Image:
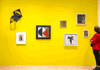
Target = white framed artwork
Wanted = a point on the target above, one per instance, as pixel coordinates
(81, 19)
(85, 33)
(70, 39)
(20, 37)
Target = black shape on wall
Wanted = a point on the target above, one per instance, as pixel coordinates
(71, 38)
(17, 15)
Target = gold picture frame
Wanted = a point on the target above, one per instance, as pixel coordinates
(63, 24)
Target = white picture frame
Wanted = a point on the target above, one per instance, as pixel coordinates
(20, 37)
(67, 40)
(63, 26)
(82, 21)
(86, 34)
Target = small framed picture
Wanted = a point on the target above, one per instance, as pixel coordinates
(85, 33)
(81, 19)
(20, 37)
(43, 32)
(63, 24)
(70, 39)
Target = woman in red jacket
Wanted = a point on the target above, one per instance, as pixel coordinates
(95, 40)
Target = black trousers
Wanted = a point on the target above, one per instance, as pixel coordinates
(97, 57)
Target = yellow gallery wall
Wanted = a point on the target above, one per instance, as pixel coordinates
(46, 52)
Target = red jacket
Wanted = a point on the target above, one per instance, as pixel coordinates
(96, 42)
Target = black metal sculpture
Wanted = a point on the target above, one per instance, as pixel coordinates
(17, 15)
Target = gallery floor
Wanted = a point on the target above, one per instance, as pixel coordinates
(18, 67)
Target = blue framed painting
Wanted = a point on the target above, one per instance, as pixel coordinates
(43, 32)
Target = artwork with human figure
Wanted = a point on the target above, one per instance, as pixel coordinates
(85, 33)
(20, 37)
(70, 39)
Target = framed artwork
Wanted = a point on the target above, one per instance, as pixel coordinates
(43, 32)
(81, 19)
(20, 37)
(63, 24)
(70, 39)
(85, 33)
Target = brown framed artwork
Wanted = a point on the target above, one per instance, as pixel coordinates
(63, 24)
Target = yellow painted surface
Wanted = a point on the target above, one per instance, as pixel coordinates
(46, 52)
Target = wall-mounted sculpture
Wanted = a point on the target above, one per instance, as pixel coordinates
(17, 15)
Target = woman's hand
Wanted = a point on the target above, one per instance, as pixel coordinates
(91, 41)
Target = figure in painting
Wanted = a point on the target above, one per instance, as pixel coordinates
(85, 33)
(70, 39)
(20, 37)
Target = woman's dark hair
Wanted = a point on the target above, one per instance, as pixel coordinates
(97, 29)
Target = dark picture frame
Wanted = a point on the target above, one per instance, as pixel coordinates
(39, 31)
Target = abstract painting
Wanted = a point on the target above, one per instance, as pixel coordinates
(70, 39)
(20, 37)
(81, 19)
(85, 33)
(63, 24)
(43, 32)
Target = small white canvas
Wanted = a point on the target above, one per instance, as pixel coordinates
(70, 39)
(20, 37)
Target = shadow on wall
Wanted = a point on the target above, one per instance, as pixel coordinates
(20, 44)
(70, 47)
(13, 26)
